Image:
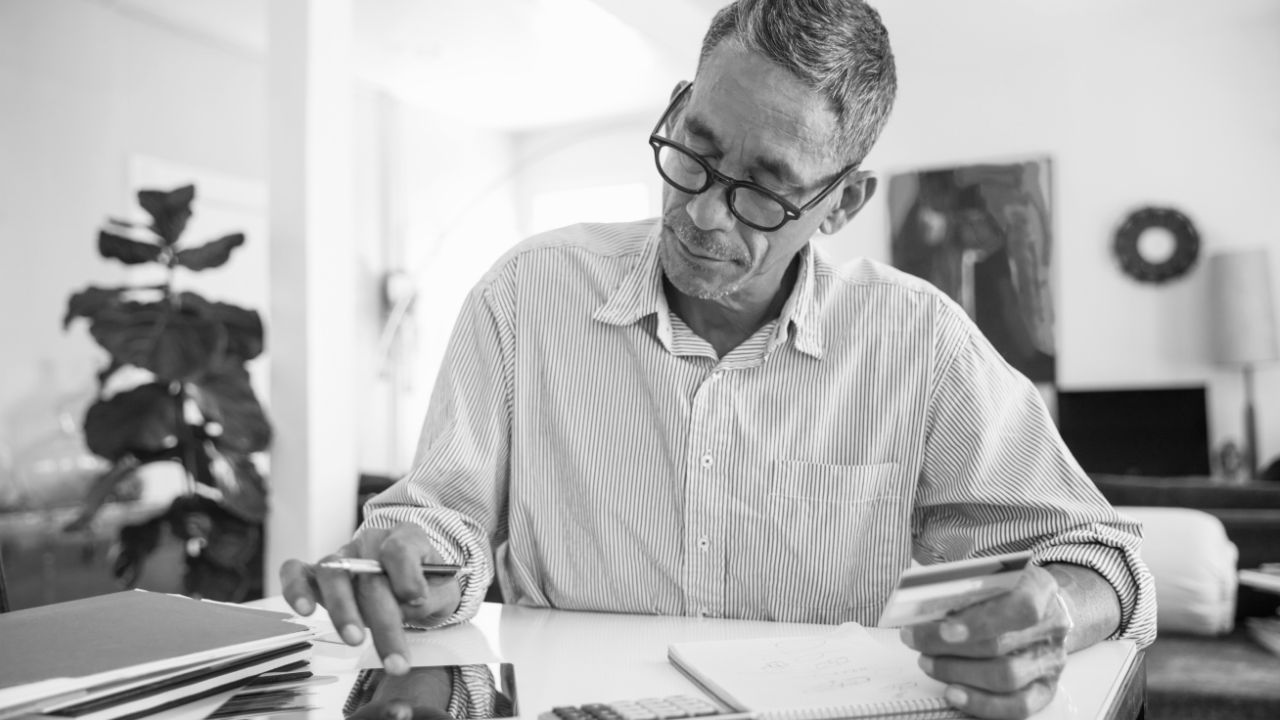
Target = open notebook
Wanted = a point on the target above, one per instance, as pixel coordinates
(843, 674)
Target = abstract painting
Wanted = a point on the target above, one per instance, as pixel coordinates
(983, 235)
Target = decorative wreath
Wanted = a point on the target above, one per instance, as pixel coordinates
(1185, 250)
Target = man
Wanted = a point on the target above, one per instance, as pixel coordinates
(699, 415)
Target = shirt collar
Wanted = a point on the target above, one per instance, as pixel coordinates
(640, 294)
(801, 309)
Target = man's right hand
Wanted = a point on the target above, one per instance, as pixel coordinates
(384, 602)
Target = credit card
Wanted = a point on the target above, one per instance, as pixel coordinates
(931, 592)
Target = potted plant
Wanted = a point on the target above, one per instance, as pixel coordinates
(176, 389)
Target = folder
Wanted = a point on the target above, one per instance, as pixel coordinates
(182, 688)
(59, 653)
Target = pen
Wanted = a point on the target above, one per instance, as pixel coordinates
(361, 566)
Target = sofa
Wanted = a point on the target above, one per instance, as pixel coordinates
(1203, 664)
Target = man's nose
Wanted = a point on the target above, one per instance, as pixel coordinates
(709, 210)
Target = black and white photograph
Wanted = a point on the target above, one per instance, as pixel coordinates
(639, 359)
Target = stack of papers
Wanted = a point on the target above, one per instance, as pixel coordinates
(132, 654)
(1266, 631)
(277, 692)
(1265, 578)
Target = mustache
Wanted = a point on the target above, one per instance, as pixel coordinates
(695, 238)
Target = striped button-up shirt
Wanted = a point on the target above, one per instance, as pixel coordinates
(584, 444)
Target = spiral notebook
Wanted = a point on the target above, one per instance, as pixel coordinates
(843, 674)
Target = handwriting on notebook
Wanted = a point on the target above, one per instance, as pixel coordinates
(840, 668)
(829, 665)
(839, 671)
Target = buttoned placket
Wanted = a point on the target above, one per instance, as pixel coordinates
(703, 554)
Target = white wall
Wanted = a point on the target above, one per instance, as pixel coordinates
(1173, 102)
(1137, 102)
(586, 156)
(83, 88)
(447, 214)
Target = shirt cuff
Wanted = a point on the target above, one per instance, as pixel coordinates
(454, 552)
(1113, 554)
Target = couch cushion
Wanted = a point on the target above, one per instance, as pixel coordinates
(1194, 566)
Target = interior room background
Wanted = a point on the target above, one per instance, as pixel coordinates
(474, 125)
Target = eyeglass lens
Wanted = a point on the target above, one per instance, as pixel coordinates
(687, 174)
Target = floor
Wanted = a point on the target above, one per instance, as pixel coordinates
(1209, 678)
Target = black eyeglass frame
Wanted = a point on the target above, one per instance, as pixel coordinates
(789, 209)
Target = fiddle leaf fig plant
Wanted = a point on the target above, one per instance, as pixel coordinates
(176, 389)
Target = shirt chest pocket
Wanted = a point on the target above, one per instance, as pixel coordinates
(841, 534)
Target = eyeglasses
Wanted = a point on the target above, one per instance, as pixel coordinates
(756, 206)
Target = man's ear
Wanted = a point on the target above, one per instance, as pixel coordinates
(857, 191)
(680, 86)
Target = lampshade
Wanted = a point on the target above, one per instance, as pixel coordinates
(1241, 310)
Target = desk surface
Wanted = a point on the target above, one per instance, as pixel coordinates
(571, 658)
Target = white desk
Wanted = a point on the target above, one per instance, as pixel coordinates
(571, 658)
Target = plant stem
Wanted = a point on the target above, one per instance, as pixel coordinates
(187, 440)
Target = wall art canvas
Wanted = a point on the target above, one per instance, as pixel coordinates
(983, 235)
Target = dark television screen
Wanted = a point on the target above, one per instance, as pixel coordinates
(1137, 432)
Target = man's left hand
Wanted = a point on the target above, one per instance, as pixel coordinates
(1000, 658)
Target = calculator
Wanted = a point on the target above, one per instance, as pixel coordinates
(665, 708)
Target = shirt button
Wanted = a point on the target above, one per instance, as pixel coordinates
(716, 375)
(703, 543)
(707, 461)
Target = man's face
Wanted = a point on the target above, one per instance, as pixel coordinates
(751, 120)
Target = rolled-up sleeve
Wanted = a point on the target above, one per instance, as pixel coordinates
(457, 490)
(997, 478)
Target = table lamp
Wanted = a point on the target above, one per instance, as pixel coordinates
(1243, 326)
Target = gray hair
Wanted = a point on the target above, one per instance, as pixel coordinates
(838, 48)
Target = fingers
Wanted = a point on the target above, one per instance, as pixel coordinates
(298, 584)
(394, 710)
(1025, 606)
(1005, 674)
(424, 601)
(402, 553)
(1012, 706)
(927, 638)
(339, 599)
(1022, 617)
(431, 713)
(382, 614)
(1001, 657)
(382, 602)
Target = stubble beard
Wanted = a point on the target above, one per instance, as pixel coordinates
(684, 273)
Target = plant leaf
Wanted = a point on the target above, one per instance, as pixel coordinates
(105, 374)
(101, 490)
(140, 421)
(126, 250)
(89, 302)
(211, 254)
(172, 343)
(135, 544)
(169, 211)
(226, 397)
(244, 327)
(230, 557)
(244, 491)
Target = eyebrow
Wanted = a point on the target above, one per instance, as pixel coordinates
(775, 167)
